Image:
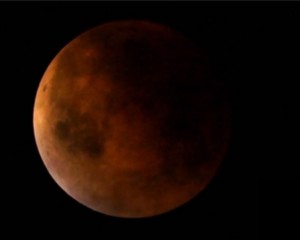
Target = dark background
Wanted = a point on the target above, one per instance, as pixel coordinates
(252, 45)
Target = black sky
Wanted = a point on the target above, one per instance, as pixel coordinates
(253, 45)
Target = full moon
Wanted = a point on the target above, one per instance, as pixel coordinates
(130, 120)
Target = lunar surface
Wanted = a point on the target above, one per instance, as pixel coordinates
(129, 120)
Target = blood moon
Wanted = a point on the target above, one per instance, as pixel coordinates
(129, 121)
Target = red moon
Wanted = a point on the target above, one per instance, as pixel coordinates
(129, 121)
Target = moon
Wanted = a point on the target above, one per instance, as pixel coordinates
(130, 121)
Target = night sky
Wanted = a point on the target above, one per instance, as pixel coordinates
(252, 46)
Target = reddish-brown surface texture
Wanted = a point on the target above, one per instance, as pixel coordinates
(128, 121)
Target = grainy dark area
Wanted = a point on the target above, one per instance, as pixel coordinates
(80, 135)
